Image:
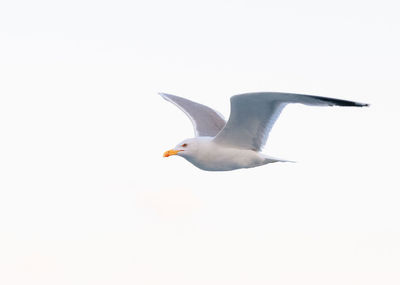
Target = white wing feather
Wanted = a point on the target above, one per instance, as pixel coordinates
(254, 114)
(206, 121)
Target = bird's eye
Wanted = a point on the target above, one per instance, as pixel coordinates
(184, 145)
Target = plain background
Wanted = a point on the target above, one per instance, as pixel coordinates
(86, 197)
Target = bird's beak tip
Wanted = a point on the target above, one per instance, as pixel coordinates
(170, 152)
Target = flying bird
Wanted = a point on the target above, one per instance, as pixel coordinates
(221, 146)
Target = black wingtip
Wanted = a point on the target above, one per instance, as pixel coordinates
(357, 104)
(340, 102)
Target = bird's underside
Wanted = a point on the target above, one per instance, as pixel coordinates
(219, 145)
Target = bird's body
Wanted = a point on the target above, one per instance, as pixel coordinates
(211, 156)
(235, 144)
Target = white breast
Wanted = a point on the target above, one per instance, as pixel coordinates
(214, 157)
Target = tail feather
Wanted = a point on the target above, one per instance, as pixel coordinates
(270, 159)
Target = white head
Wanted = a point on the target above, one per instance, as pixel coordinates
(187, 148)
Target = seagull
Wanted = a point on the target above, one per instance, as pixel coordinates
(222, 146)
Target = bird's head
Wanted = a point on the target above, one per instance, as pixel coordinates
(185, 148)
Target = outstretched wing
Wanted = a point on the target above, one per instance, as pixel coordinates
(254, 114)
(206, 121)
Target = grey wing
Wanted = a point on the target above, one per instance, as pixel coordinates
(254, 114)
(206, 121)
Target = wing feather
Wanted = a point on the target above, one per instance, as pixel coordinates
(206, 121)
(254, 114)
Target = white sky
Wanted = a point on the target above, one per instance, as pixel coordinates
(86, 197)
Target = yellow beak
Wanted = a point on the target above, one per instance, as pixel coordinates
(171, 152)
